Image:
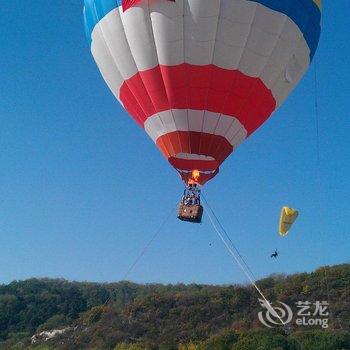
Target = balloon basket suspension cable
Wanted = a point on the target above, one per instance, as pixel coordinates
(234, 252)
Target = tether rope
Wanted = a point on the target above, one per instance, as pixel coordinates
(237, 257)
(318, 167)
(230, 240)
(136, 261)
(144, 250)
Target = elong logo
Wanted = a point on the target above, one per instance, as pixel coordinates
(306, 315)
(275, 315)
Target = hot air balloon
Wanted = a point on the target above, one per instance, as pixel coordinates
(200, 76)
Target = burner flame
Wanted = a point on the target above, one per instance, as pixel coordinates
(194, 177)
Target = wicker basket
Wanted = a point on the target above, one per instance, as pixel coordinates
(191, 213)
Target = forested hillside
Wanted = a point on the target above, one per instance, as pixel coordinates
(171, 316)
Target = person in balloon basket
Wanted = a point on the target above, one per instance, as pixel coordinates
(196, 193)
(191, 195)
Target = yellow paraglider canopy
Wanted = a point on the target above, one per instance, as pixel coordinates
(287, 218)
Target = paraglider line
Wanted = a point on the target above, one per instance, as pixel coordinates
(238, 258)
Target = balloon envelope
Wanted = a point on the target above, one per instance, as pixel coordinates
(200, 76)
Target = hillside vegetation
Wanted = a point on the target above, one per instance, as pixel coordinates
(184, 317)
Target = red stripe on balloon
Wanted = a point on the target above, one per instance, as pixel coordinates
(170, 146)
(126, 4)
(194, 143)
(209, 87)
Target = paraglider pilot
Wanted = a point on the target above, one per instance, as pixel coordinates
(275, 254)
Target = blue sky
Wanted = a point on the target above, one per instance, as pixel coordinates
(83, 188)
